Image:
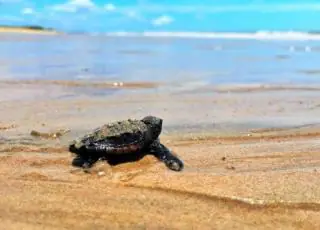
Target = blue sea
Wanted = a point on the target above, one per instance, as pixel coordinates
(189, 60)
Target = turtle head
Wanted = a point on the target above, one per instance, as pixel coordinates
(154, 125)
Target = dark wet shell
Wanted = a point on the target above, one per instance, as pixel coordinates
(123, 136)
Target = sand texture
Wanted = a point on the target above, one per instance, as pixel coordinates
(252, 160)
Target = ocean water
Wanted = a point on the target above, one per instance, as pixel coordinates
(192, 61)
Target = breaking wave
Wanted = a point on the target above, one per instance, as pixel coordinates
(261, 35)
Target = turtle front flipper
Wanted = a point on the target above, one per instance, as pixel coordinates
(165, 155)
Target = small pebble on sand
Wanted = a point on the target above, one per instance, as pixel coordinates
(101, 173)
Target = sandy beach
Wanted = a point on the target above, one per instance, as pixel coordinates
(22, 30)
(251, 154)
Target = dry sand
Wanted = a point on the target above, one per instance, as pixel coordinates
(252, 159)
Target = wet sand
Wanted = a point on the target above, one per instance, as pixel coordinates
(252, 159)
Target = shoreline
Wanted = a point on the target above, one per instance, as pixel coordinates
(219, 88)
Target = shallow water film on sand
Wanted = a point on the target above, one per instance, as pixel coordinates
(243, 115)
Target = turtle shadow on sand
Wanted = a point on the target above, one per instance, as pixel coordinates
(125, 158)
(123, 142)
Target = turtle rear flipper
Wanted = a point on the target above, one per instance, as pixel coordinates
(73, 149)
(84, 162)
(165, 155)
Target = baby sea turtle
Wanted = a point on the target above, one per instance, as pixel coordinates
(127, 137)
